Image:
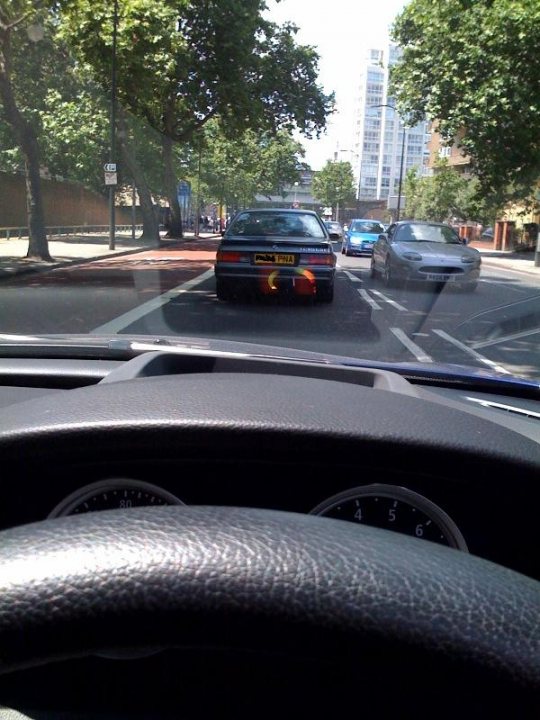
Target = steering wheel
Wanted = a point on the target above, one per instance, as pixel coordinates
(425, 617)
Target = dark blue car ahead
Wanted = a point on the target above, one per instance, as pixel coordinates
(360, 236)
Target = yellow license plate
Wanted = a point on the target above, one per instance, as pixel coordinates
(273, 259)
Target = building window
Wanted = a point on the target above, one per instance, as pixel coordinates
(444, 152)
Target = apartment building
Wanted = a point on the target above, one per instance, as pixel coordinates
(379, 135)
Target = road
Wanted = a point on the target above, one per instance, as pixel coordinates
(172, 291)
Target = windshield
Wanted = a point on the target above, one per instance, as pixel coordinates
(362, 226)
(279, 224)
(427, 233)
(139, 140)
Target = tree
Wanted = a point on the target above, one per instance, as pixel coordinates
(69, 115)
(474, 67)
(183, 62)
(334, 184)
(236, 170)
(445, 196)
(14, 19)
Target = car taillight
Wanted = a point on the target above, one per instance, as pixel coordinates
(231, 257)
(322, 259)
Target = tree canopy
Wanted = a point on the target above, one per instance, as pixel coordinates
(236, 170)
(182, 62)
(334, 184)
(445, 196)
(473, 65)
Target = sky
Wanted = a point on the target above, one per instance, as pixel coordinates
(342, 31)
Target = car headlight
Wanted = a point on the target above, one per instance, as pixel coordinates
(467, 259)
(412, 256)
(356, 241)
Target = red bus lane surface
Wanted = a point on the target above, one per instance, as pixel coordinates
(109, 287)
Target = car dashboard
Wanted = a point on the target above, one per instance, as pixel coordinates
(448, 464)
(440, 462)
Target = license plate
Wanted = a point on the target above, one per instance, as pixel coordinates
(273, 259)
(441, 278)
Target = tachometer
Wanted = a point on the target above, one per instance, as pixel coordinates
(394, 508)
(114, 494)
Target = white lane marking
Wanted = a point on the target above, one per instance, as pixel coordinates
(389, 300)
(352, 277)
(369, 300)
(411, 346)
(471, 352)
(505, 338)
(131, 316)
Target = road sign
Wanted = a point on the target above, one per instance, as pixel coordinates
(111, 178)
(110, 167)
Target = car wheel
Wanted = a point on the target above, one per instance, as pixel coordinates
(325, 293)
(347, 251)
(223, 291)
(388, 275)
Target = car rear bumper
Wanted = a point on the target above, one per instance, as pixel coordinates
(275, 278)
(366, 249)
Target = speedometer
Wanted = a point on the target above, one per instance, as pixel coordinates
(394, 508)
(112, 495)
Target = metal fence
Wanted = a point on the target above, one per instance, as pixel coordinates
(58, 231)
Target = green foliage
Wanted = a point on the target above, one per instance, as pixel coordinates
(334, 184)
(445, 196)
(235, 170)
(474, 66)
(183, 62)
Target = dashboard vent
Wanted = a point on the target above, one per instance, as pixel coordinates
(506, 408)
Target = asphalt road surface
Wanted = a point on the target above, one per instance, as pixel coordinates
(171, 291)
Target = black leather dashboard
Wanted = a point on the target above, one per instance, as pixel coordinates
(282, 442)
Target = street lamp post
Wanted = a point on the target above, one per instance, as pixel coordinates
(398, 211)
(112, 188)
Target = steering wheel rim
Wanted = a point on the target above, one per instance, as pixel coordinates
(252, 578)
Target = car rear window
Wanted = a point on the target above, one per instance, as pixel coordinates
(366, 227)
(277, 224)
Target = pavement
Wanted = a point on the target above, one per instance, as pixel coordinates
(78, 249)
(517, 261)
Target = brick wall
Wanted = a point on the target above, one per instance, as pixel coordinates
(65, 203)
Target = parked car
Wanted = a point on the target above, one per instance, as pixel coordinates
(360, 237)
(487, 234)
(334, 229)
(425, 252)
(275, 251)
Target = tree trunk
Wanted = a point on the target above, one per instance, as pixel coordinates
(175, 229)
(38, 247)
(150, 233)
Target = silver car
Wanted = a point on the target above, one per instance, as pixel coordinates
(414, 251)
